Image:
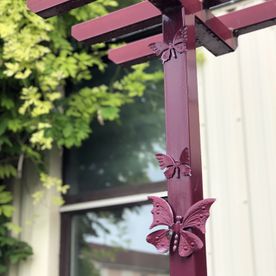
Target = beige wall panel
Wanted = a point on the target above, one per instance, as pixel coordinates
(238, 133)
(40, 223)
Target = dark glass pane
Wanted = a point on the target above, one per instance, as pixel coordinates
(121, 153)
(112, 242)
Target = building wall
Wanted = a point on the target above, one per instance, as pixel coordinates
(238, 131)
(40, 223)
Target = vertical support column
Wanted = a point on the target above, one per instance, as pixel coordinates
(182, 130)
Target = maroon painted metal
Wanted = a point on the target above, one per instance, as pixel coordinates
(48, 8)
(213, 34)
(211, 3)
(252, 18)
(135, 52)
(241, 22)
(174, 167)
(191, 6)
(179, 235)
(144, 15)
(167, 51)
(182, 131)
(117, 23)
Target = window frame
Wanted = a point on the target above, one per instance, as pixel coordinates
(69, 210)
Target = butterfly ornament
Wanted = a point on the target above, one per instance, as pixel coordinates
(178, 235)
(172, 167)
(178, 45)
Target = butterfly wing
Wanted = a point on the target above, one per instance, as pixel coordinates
(169, 173)
(185, 168)
(166, 55)
(162, 212)
(185, 157)
(160, 239)
(198, 214)
(166, 162)
(189, 243)
(180, 40)
(158, 47)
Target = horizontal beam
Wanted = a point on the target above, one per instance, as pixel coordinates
(191, 6)
(135, 52)
(241, 21)
(48, 8)
(213, 34)
(207, 4)
(117, 23)
(144, 15)
(252, 18)
(130, 19)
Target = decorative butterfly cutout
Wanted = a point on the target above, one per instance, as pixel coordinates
(172, 166)
(179, 234)
(166, 51)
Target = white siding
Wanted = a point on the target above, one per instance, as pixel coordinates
(238, 129)
(40, 223)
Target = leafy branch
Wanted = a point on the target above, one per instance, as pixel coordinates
(48, 97)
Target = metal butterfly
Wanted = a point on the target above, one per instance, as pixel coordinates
(179, 234)
(166, 51)
(172, 166)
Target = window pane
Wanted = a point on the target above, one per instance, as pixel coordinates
(112, 242)
(121, 153)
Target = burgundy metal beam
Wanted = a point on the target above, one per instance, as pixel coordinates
(252, 18)
(213, 34)
(191, 6)
(182, 130)
(48, 8)
(135, 52)
(130, 19)
(212, 3)
(241, 21)
(144, 15)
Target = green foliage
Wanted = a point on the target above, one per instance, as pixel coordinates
(12, 250)
(39, 64)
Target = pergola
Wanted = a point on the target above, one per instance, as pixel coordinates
(179, 27)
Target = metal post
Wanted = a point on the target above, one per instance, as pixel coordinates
(182, 130)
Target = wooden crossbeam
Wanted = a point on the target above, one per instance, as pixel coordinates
(252, 18)
(135, 52)
(48, 8)
(211, 3)
(133, 18)
(213, 34)
(144, 15)
(191, 6)
(117, 23)
(241, 21)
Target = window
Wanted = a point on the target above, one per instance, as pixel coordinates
(112, 242)
(106, 216)
(120, 154)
